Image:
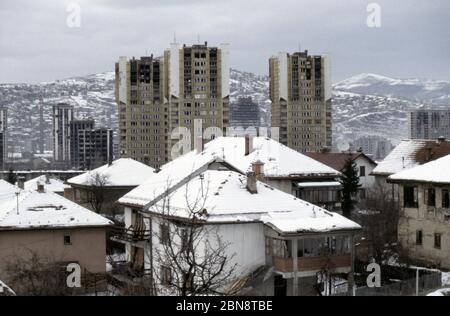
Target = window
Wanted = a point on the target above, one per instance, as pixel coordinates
(410, 196)
(445, 199)
(164, 233)
(67, 240)
(419, 237)
(362, 171)
(437, 241)
(431, 197)
(185, 239)
(166, 275)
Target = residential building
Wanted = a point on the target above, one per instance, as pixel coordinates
(376, 147)
(364, 166)
(245, 113)
(62, 116)
(41, 225)
(408, 154)
(159, 98)
(424, 221)
(278, 166)
(76, 126)
(265, 229)
(95, 148)
(106, 184)
(300, 91)
(429, 124)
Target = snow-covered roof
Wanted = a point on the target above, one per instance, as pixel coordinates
(411, 153)
(224, 196)
(279, 161)
(436, 171)
(6, 290)
(318, 184)
(50, 184)
(42, 210)
(124, 172)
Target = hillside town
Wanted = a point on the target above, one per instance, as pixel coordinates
(173, 174)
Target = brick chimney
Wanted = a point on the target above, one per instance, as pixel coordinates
(251, 182)
(248, 144)
(258, 169)
(40, 187)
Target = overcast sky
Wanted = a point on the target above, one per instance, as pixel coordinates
(37, 45)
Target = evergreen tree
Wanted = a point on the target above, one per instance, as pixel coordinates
(12, 177)
(350, 185)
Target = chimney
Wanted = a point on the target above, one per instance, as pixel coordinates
(21, 183)
(248, 144)
(40, 187)
(258, 169)
(47, 179)
(441, 140)
(251, 182)
(199, 144)
(325, 150)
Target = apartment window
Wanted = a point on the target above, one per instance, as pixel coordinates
(166, 275)
(437, 240)
(419, 237)
(410, 196)
(445, 199)
(362, 171)
(164, 233)
(67, 240)
(431, 197)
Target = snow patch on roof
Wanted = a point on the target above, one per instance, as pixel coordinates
(52, 184)
(436, 171)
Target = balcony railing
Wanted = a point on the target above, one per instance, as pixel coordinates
(129, 234)
(312, 263)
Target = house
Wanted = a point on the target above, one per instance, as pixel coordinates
(100, 188)
(264, 227)
(424, 219)
(279, 166)
(37, 223)
(51, 184)
(364, 164)
(408, 154)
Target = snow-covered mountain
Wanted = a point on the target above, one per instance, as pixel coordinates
(363, 105)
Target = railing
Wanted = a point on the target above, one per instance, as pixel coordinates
(129, 234)
(312, 263)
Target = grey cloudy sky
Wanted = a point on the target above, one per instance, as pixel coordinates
(37, 45)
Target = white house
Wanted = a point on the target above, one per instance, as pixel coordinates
(263, 226)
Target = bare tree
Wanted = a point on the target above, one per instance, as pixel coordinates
(190, 257)
(96, 192)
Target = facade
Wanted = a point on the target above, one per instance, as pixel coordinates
(3, 138)
(245, 113)
(300, 91)
(95, 148)
(364, 165)
(429, 124)
(62, 116)
(49, 227)
(375, 147)
(157, 95)
(76, 126)
(424, 221)
(266, 229)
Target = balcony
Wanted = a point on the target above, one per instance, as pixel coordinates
(312, 263)
(129, 235)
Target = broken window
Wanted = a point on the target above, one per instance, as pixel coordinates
(445, 199)
(437, 240)
(431, 197)
(419, 237)
(164, 233)
(410, 196)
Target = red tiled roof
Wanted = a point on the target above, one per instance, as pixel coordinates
(335, 160)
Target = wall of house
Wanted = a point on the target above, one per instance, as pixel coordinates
(88, 247)
(430, 220)
(282, 185)
(367, 182)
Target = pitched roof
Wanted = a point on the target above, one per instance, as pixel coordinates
(336, 160)
(436, 171)
(42, 210)
(279, 161)
(411, 153)
(225, 198)
(122, 172)
(50, 184)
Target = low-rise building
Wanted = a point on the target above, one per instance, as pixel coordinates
(51, 184)
(39, 224)
(262, 226)
(424, 219)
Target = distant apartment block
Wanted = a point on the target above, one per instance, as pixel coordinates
(95, 148)
(245, 113)
(374, 146)
(157, 95)
(77, 126)
(62, 116)
(429, 124)
(300, 91)
(3, 139)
